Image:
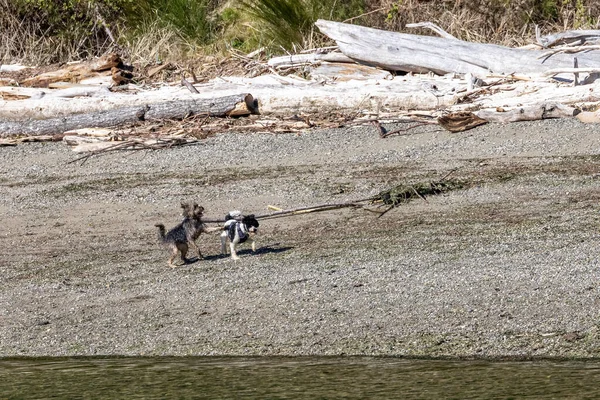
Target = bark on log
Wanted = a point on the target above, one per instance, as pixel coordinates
(413, 53)
(223, 106)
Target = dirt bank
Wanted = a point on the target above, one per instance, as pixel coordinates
(507, 266)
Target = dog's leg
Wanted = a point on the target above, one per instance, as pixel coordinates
(234, 255)
(223, 243)
(253, 245)
(184, 249)
(173, 255)
(197, 249)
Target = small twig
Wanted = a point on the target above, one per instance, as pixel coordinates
(193, 75)
(569, 50)
(433, 27)
(386, 211)
(381, 129)
(102, 21)
(418, 194)
(448, 174)
(364, 15)
(134, 145)
(188, 85)
(96, 152)
(407, 129)
(320, 50)
(360, 104)
(538, 36)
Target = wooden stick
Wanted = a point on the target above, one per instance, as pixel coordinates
(397, 131)
(306, 210)
(188, 85)
(418, 194)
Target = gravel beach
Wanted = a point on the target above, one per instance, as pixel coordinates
(507, 266)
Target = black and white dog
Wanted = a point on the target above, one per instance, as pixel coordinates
(238, 229)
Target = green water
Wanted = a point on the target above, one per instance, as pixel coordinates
(294, 378)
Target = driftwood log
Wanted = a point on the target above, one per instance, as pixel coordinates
(530, 113)
(414, 53)
(302, 59)
(234, 105)
(109, 64)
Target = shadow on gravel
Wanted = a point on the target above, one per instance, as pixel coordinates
(270, 249)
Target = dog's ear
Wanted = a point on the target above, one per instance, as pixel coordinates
(253, 219)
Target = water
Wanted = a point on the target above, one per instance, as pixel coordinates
(294, 378)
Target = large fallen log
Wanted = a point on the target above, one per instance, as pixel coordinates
(233, 105)
(414, 53)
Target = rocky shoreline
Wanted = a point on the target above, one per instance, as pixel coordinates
(505, 267)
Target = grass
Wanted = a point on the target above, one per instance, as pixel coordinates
(148, 31)
(290, 23)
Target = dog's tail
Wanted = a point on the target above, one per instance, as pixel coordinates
(161, 232)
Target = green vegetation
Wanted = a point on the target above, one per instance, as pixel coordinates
(47, 31)
(289, 23)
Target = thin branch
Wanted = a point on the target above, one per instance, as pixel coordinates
(433, 27)
(398, 131)
(418, 194)
(365, 14)
(188, 85)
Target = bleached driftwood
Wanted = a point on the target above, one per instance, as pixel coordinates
(303, 59)
(413, 53)
(288, 95)
(17, 92)
(12, 67)
(223, 106)
(530, 113)
(346, 71)
(107, 65)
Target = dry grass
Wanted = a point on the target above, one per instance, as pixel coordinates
(24, 41)
(508, 22)
(157, 43)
